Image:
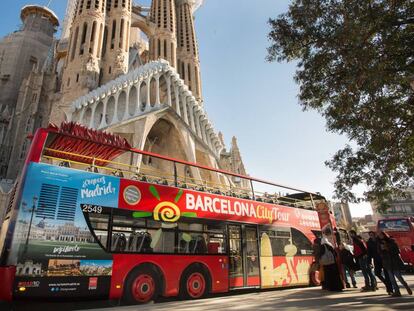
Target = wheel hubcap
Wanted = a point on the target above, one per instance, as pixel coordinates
(143, 288)
(196, 285)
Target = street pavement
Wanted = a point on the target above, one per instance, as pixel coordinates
(287, 299)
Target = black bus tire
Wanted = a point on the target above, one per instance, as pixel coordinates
(142, 285)
(195, 283)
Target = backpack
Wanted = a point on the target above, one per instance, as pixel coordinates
(327, 258)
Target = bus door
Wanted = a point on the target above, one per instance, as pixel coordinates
(244, 267)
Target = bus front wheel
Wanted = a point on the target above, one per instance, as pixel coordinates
(142, 286)
(194, 283)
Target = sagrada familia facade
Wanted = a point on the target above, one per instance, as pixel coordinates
(117, 66)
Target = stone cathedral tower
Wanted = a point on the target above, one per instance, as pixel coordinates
(98, 49)
(82, 64)
(187, 52)
(163, 43)
(115, 49)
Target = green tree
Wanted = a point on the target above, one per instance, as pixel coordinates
(355, 63)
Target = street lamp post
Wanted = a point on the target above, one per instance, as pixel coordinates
(32, 210)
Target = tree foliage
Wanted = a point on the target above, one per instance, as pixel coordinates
(355, 64)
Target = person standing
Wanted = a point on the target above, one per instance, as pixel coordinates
(361, 255)
(316, 247)
(348, 263)
(391, 259)
(373, 255)
(327, 259)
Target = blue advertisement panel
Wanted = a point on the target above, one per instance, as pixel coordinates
(53, 248)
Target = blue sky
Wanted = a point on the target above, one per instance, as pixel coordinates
(247, 97)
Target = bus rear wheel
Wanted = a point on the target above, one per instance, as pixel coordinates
(194, 283)
(142, 286)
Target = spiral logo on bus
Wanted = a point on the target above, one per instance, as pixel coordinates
(167, 211)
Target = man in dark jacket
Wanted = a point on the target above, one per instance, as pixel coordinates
(373, 255)
(361, 255)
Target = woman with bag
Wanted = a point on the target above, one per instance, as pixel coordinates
(392, 262)
(327, 259)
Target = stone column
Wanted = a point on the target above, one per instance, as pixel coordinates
(157, 91)
(169, 91)
(177, 100)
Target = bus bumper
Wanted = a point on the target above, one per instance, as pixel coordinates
(7, 274)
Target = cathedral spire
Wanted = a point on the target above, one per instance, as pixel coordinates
(115, 55)
(188, 63)
(82, 66)
(163, 43)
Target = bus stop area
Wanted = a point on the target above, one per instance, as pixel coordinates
(312, 298)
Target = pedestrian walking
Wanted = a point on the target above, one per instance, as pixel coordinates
(373, 255)
(332, 277)
(361, 255)
(392, 262)
(349, 265)
(317, 254)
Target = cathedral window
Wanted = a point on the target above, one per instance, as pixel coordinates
(97, 4)
(105, 41)
(68, 84)
(123, 3)
(75, 41)
(82, 46)
(110, 70)
(159, 14)
(159, 48)
(88, 4)
(121, 33)
(172, 54)
(77, 78)
(165, 49)
(116, 3)
(183, 70)
(171, 20)
(93, 35)
(113, 35)
(165, 14)
(81, 6)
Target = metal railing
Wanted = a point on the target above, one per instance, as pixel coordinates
(148, 173)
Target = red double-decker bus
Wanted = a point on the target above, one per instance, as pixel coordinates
(93, 217)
